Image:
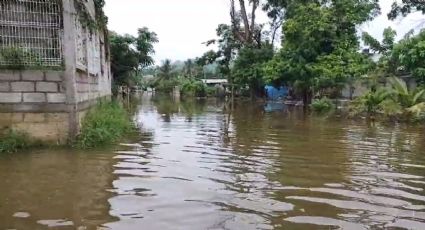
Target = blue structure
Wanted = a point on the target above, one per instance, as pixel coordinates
(274, 93)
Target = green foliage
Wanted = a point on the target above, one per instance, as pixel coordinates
(409, 55)
(193, 88)
(228, 45)
(405, 97)
(335, 70)
(249, 65)
(398, 102)
(19, 58)
(405, 8)
(383, 47)
(211, 91)
(13, 141)
(166, 79)
(320, 44)
(130, 54)
(322, 105)
(104, 124)
(370, 104)
(99, 22)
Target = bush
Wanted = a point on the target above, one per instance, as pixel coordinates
(211, 91)
(13, 141)
(397, 103)
(104, 124)
(322, 105)
(193, 88)
(370, 104)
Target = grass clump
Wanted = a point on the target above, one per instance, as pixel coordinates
(13, 141)
(104, 124)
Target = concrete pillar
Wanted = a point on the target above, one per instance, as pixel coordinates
(69, 48)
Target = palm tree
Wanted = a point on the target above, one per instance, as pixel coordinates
(405, 97)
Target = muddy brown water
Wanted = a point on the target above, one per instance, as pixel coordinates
(202, 165)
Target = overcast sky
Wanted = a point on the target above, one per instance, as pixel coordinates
(183, 25)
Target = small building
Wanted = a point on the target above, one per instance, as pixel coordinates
(213, 82)
(54, 65)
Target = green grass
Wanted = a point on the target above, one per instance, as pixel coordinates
(104, 124)
(13, 142)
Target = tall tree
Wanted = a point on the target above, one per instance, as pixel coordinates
(317, 34)
(406, 7)
(244, 28)
(409, 54)
(131, 54)
(166, 77)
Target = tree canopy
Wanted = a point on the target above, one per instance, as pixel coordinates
(405, 8)
(131, 54)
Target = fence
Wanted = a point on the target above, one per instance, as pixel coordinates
(30, 33)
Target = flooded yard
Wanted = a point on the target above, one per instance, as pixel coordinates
(201, 165)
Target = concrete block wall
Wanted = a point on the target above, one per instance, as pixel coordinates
(49, 127)
(32, 87)
(50, 105)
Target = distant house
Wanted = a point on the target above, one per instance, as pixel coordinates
(213, 82)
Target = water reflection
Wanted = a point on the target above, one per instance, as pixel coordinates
(206, 166)
(58, 189)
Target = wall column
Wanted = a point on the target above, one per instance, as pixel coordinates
(69, 47)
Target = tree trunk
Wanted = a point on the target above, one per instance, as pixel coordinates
(245, 21)
(307, 96)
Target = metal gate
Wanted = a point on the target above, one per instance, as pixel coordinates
(30, 34)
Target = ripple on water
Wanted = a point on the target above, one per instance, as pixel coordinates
(251, 171)
(325, 221)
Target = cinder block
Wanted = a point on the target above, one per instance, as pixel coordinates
(10, 97)
(23, 86)
(10, 76)
(56, 98)
(34, 97)
(32, 75)
(4, 86)
(47, 87)
(54, 76)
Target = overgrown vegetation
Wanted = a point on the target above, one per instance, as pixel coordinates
(19, 59)
(13, 141)
(193, 88)
(322, 105)
(106, 123)
(99, 22)
(396, 103)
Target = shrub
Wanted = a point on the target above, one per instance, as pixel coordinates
(13, 141)
(104, 124)
(211, 91)
(193, 88)
(369, 104)
(322, 105)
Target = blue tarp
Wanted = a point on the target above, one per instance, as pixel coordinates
(274, 93)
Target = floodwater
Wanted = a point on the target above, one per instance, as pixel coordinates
(203, 165)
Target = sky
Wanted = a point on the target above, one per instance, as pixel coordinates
(183, 25)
